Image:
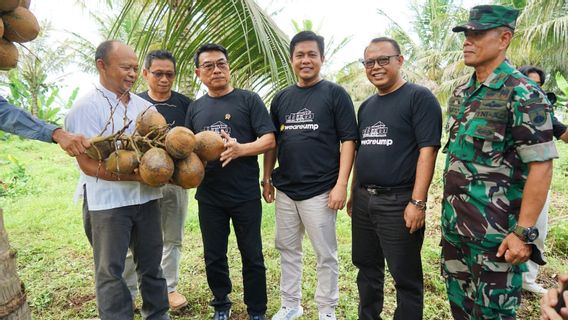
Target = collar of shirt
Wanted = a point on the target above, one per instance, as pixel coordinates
(495, 80)
(111, 96)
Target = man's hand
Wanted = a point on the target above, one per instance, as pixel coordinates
(337, 197)
(564, 136)
(350, 206)
(232, 151)
(414, 217)
(550, 299)
(515, 250)
(73, 144)
(268, 191)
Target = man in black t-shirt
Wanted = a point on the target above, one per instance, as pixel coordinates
(316, 137)
(230, 190)
(399, 136)
(159, 73)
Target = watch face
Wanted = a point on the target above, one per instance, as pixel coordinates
(532, 234)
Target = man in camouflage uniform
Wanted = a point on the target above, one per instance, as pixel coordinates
(497, 174)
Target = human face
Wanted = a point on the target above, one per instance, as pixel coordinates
(119, 73)
(383, 77)
(306, 62)
(535, 77)
(160, 76)
(484, 48)
(214, 71)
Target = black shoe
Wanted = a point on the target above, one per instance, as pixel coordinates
(222, 315)
(257, 317)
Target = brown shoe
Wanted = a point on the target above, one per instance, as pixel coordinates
(177, 301)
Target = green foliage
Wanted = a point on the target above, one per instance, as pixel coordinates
(14, 180)
(558, 239)
(563, 87)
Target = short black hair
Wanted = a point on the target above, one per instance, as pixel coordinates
(103, 50)
(160, 55)
(393, 43)
(307, 36)
(209, 47)
(532, 69)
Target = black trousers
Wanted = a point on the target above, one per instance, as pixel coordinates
(214, 223)
(380, 233)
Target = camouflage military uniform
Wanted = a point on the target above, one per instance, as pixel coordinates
(495, 129)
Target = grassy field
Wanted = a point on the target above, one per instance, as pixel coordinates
(55, 260)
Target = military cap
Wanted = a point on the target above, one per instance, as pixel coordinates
(487, 17)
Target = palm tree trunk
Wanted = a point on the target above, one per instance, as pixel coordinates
(35, 107)
(13, 305)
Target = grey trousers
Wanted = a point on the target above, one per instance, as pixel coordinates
(314, 217)
(173, 210)
(111, 232)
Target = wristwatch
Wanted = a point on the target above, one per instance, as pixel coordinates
(420, 204)
(528, 235)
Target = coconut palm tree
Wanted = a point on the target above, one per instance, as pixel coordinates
(258, 49)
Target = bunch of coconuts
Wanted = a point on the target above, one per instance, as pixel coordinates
(160, 153)
(17, 24)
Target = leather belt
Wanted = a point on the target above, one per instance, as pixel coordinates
(376, 190)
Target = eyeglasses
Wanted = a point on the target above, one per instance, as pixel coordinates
(159, 74)
(382, 61)
(210, 66)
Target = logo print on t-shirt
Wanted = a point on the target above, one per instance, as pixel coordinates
(370, 134)
(301, 120)
(217, 127)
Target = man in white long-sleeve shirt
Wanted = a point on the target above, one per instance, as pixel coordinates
(118, 213)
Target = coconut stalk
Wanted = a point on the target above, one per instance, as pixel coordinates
(13, 305)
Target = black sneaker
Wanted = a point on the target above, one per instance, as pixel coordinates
(257, 317)
(222, 314)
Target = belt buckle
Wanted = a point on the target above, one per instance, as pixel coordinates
(372, 191)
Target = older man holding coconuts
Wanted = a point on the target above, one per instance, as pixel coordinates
(119, 211)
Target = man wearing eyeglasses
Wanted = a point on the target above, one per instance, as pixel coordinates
(498, 171)
(316, 145)
(230, 191)
(399, 136)
(160, 73)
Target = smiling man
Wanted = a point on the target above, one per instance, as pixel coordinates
(160, 74)
(498, 171)
(399, 137)
(316, 137)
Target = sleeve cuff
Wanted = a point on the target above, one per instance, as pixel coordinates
(537, 152)
(46, 132)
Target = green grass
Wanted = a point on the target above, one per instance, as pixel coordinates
(55, 260)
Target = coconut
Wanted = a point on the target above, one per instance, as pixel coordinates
(156, 167)
(100, 148)
(1, 28)
(20, 25)
(8, 55)
(25, 3)
(149, 120)
(9, 5)
(208, 145)
(180, 142)
(189, 172)
(122, 162)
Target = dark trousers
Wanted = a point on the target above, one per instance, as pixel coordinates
(379, 233)
(111, 232)
(215, 229)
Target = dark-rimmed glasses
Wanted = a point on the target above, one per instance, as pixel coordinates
(382, 61)
(210, 66)
(159, 74)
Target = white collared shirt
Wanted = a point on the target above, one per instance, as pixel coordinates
(89, 116)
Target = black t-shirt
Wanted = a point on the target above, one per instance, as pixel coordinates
(311, 122)
(174, 109)
(392, 129)
(242, 115)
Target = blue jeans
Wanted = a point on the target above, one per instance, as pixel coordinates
(111, 232)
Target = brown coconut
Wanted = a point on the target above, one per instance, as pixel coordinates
(122, 162)
(25, 3)
(8, 5)
(8, 55)
(156, 167)
(149, 120)
(189, 172)
(208, 145)
(180, 142)
(20, 25)
(100, 148)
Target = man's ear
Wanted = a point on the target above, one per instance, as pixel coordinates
(198, 73)
(100, 64)
(506, 38)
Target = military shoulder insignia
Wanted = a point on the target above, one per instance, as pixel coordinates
(537, 115)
